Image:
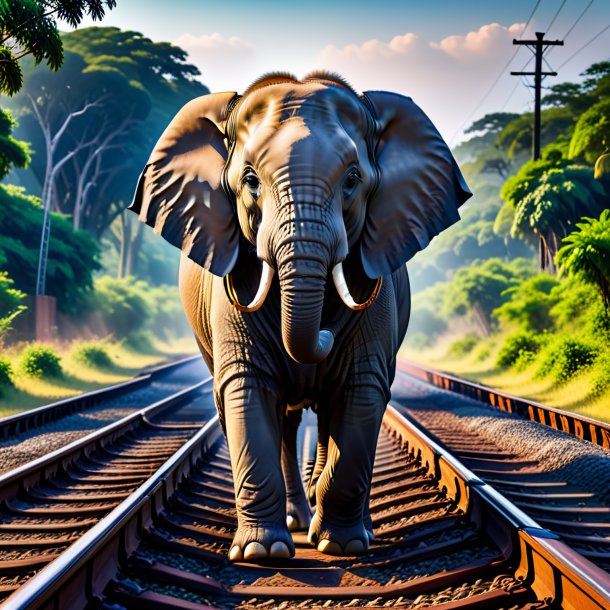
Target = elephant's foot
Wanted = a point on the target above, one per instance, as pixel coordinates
(263, 542)
(298, 514)
(339, 539)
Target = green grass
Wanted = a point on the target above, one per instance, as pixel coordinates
(573, 394)
(79, 376)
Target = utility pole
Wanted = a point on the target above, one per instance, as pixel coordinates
(538, 47)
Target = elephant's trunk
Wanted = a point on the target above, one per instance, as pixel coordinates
(302, 283)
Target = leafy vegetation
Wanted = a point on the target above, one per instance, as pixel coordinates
(28, 27)
(586, 253)
(480, 310)
(39, 360)
(6, 374)
(92, 353)
(10, 303)
(73, 255)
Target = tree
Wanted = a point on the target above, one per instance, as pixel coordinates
(12, 152)
(28, 27)
(73, 255)
(515, 140)
(550, 210)
(131, 87)
(586, 253)
(479, 289)
(485, 131)
(591, 135)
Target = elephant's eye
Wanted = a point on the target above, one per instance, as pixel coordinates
(252, 184)
(352, 180)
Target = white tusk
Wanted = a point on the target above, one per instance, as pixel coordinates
(261, 294)
(344, 293)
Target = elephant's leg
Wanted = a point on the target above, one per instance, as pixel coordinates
(321, 454)
(342, 520)
(298, 514)
(253, 418)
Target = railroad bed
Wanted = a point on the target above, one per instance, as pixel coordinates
(559, 480)
(444, 539)
(31, 434)
(48, 504)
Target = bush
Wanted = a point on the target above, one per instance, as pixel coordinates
(463, 346)
(564, 358)
(92, 353)
(601, 380)
(140, 341)
(10, 303)
(518, 347)
(39, 360)
(6, 374)
(122, 304)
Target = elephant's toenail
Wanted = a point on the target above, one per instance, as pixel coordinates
(279, 550)
(330, 548)
(355, 546)
(235, 553)
(292, 523)
(254, 550)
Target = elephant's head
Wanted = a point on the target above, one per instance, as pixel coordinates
(306, 172)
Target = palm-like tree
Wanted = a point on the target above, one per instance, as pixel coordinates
(586, 253)
(549, 212)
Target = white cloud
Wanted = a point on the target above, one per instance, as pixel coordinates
(219, 58)
(446, 78)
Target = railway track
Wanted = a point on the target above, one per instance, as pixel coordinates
(445, 538)
(33, 433)
(49, 503)
(569, 496)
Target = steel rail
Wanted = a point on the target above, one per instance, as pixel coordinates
(23, 477)
(585, 428)
(82, 572)
(534, 556)
(553, 570)
(16, 424)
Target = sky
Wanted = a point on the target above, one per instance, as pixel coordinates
(453, 57)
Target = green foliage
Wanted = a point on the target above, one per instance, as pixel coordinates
(72, 254)
(12, 152)
(565, 357)
(592, 133)
(480, 288)
(529, 304)
(586, 253)
(122, 304)
(29, 28)
(601, 378)
(92, 353)
(463, 346)
(10, 303)
(6, 374)
(39, 360)
(518, 347)
(516, 138)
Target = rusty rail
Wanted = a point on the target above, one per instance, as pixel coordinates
(426, 506)
(583, 427)
(19, 423)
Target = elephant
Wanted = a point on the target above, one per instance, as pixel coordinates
(296, 206)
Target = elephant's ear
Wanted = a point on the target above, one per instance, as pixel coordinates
(420, 185)
(180, 191)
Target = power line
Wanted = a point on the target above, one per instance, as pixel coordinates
(578, 19)
(556, 15)
(510, 95)
(583, 47)
(497, 79)
(582, 14)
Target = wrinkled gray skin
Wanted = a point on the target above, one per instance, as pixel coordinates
(301, 175)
